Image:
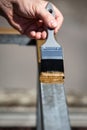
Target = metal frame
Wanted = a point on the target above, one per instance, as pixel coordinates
(26, 116)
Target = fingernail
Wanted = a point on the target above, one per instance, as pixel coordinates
(53, 23)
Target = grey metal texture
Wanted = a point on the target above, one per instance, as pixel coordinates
(54, 108)
(39, 124)
(15, 39)
(38, 119)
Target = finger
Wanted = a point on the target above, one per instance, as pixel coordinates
(60, 22)
(48, 19)
(43, 32)
(32, 34)
(59, 18)
(14, 23)
(35, 35)
(44, 35)
(38, 35)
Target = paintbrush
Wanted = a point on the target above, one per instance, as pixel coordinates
(51, 53)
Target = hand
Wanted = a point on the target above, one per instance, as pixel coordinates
(30, 17)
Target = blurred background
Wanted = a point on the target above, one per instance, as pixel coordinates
(18, 70)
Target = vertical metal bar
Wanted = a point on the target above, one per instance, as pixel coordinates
(54, 108)
(39, 127)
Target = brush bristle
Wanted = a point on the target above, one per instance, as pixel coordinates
(52, 65)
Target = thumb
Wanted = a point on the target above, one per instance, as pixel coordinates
(47, 18)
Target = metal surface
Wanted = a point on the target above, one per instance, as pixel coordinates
(15, 39)
(54, 109)
(38, 122)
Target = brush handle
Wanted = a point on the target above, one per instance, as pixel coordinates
(50, 42)
(49, 7)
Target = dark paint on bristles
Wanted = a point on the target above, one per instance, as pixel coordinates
(51, 65)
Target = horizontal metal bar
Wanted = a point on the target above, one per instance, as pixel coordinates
(16, 39)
